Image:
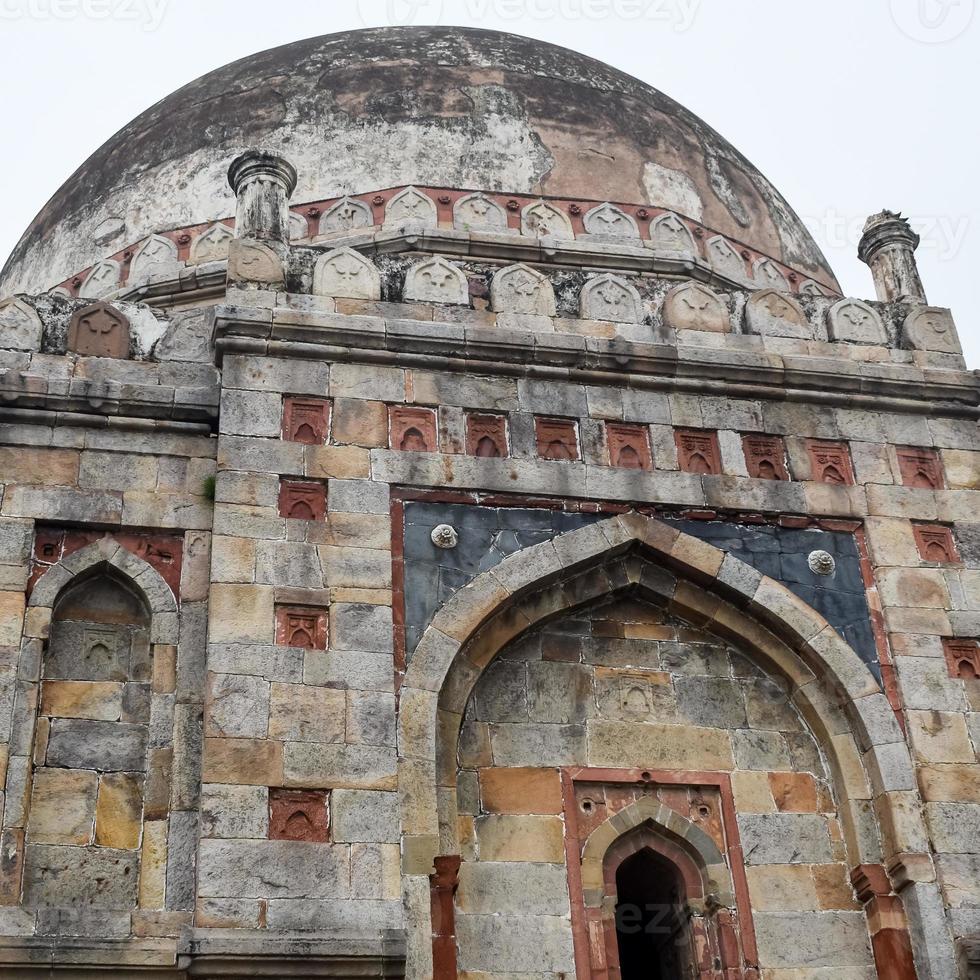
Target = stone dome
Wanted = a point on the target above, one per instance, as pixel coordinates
(375, 109)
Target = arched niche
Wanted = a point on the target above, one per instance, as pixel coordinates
(827, 683)
(95, 623)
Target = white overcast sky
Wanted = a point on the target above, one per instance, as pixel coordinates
(848, 106)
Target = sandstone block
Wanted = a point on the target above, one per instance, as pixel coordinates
(359, 816)
(237, 706)
(807, 941)
(99, 877)
(298, 713)
(249, 762)
(118, 814)
(624, 745)
(104, 745)
(153, 865)
(273, 869)
(235, 811)
(785, 838)
(82, 699)
(777, 887)
(538, 839)
(62, 807)
(517, 791)
(241, 614)
(525, 945)
(498, 888)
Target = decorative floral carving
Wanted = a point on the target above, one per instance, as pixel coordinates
(521, 289)
(609, 297)
(611, 222)
(212, 245)
(476, 212)
(437, 281)
(544, 220)
(445, 537)
(347, 274)
(346, 215)
(411, 206)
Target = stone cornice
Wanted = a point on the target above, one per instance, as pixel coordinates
(594, 361)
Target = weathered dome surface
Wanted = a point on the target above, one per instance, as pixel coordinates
(442, 107)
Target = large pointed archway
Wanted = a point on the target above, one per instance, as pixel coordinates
(832, 688)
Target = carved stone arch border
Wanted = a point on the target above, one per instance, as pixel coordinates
(715, 876)
(110, 553)
(164, 628)
(834, 690)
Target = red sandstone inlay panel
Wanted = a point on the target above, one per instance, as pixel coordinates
(99, 330)
(486, 436)
(301, 626)
(698, 452)
(920, 468)
(413, 430)
(765, 457)
(306, 420)
(300, 815)
(935, 543)
(962, 657)
(629, 446)
(302, 501)
(165, 552)
(830, 462)
(557, 439)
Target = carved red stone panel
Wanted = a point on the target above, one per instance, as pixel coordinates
(557, 439)
(301, 626)
(99, 330)
(962, 657)
(765, 457)
(306, 420)
(629, 446)
(920, 468)
(830, 462)
(698, 452)
(299, 814)
(302, 501)
(935, 543)
(486, 436)
(413, 430)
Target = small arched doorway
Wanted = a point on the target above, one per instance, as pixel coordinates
(656, 890)
(653, 931)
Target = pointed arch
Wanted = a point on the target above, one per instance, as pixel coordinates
(832, 688)
(109, 554)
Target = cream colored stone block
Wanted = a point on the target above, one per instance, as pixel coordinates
(628, 746)
(780, 887)
(891, 542)
(243, 761)
(62, 807)
(242, 614)
(119, 810)
(98, 701)
(537, 839)
(940, 736)
(753, 793)
(153, 867)
(11, 618)
(962, 469)
(233, 559)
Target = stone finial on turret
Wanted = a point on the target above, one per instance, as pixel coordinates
(263, 183)
(888, 246)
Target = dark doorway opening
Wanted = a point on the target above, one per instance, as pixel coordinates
(651, 919)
